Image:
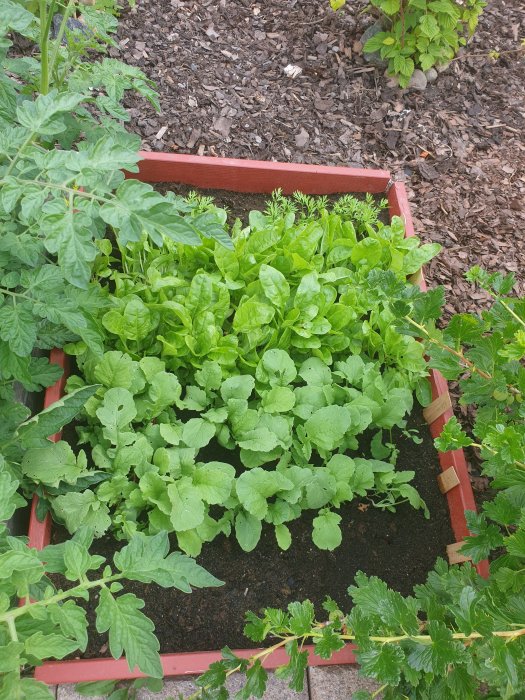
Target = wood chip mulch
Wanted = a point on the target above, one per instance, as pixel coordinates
(285, 80)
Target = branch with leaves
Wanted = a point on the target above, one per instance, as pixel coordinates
(49, 624)
(459, 636)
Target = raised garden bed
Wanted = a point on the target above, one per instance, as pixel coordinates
(258, 177)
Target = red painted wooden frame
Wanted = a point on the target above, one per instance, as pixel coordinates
(263, 177)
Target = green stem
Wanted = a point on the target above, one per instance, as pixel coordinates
(466, 362)
(510, 635)
(260, 655)
(12, 630)
(45, 184)
(17, 157)
(67, 14)
(521, 465)
(511, 311)
(46, 18)
(15, 295)
(44, 46)
(10, 616)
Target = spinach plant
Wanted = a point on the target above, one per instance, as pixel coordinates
(295, 280)
(460, 636)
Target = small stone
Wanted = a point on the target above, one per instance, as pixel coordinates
(373, 58)
(302, 138)
(442, 67)
(431, 75)
(222, 126)
(418, 81)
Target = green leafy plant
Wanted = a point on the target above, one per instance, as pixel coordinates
(199, 366)
(421, 33)
(62, 189)
(293, 279)
(50, 624)
(457, 636)
(115, 690)
(461, 635)
(289, 427)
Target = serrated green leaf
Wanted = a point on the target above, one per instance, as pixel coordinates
(130, 632)
(328, 643)
(18, 328)
(45, 646)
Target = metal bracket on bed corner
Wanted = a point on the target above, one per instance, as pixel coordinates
(389, 185)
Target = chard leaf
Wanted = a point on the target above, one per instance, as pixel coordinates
(274, 284)
(251, 315)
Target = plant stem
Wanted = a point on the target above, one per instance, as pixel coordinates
(467, 363)
(15, 295)
(44, 46)
(521, 465)
(46, 18)
(12, 630)
(67, 14)
(511, 311)
(51, 185)
(10, 616)
(260, 655)
(510, 635)
(17, 157)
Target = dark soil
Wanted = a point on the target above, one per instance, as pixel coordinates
(239, 204)
(399, 547)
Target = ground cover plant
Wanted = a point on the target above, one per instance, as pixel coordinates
(460, 635)
(198, 364)
(420, 33)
